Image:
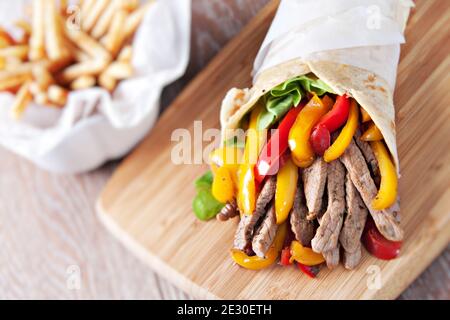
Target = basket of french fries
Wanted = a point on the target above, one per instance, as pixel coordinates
(80, 81)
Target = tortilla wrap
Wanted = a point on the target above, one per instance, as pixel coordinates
(369, 90)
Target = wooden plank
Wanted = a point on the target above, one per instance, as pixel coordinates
(147, 203)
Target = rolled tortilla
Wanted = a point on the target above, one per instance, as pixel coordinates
(368, 89)
(346, 54)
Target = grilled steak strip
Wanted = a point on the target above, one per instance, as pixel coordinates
(352, 259)
(314, 178)
(332, 257)
(327, 235)
(355, 220)
(302, 228)
(368, 154)
(265, 233)
(245, 229)
(229, 211)
(385, 220)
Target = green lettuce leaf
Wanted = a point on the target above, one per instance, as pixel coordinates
(205, 206)
(280, 99)
(235, 142)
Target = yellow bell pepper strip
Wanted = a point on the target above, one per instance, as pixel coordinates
(305, 255)
(223, 187)
(227, 157)
(387, 194)
(345, 137)
(372, 133)
(257, 263)
(365, 116)
(285, 190)
(247, 189)
(302, 152)
(246, 178)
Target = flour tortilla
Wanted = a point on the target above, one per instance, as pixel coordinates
(368, 89)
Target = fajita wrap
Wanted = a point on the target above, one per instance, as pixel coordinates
(330, 183)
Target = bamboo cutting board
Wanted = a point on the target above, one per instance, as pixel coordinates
(147, 202)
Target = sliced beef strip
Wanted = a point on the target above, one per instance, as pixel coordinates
(265, 233)
(352, 259)
(246, 226)
(314, 179)
(302, 228)
(385, 220)
(368, 154)
(327, 235)
(332, 257)
(350, 237)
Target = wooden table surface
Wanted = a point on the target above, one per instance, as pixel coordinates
(49, 233)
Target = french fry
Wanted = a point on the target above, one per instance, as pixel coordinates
(12, 84)
(78, 54)
(37, 40)
(86, 6)
(63, 5)
(23, 98)
(10, 80)
(42, 77)
(135, 18)
(26, 31)
(126, 54)
(83, 82)
(57, 95)
(41, 98)
(91, 67)
(54, 66)
(119, 70)
(53, 35)
(18, 51)
(107, 82)
(115, 37)
(2, 63)
(101, 27)
(24, 26)
(5, 39)
(88, 44)
(130, 5)
(89, 20)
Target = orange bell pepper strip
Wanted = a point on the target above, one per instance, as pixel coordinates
(227, 157)
(223, 187)
(246, 178)
(305, 255)
(372, 133)
(258, 263)
(285, 190)
(387, 194)
(302, 152)
(365, 116)
(345, 137)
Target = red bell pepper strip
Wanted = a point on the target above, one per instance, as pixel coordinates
(285, 257)
(269, 160)
(330, 122)
(378, 245)
(310, 271)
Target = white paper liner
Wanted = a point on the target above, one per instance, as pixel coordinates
(94, 126)
(363, 33)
